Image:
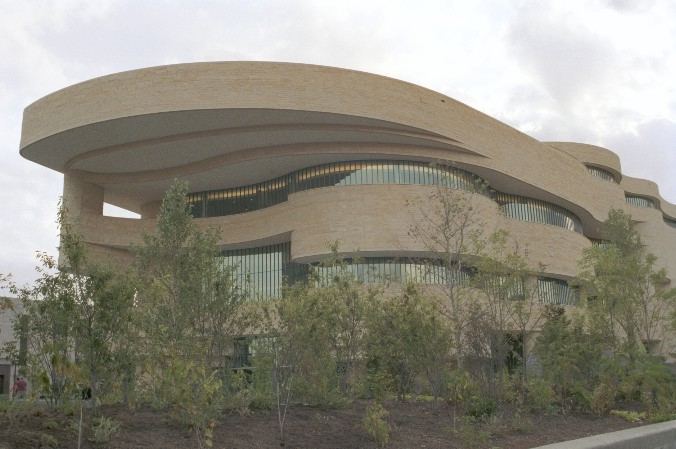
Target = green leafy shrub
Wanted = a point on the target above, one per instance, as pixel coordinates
(480, 407)
(239, 394)
(319, 385)
(262, 395)
(602, 398)
(540, 397)
(376, 425)
(460, 387)
(650, 381)
(103, 429)
(405, 339)
(662, 417)
(377, 382)
(193, 395)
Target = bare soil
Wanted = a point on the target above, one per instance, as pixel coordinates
(413, 425)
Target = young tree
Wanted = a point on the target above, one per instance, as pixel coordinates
(500, 276)
(313, 337)
(656, 302)
(630, 295)
(48, 315)
(102, 309)
(506, 312)
(344, 301)
(282, 350)
(188, 312)
(407, 337)
(73, 316)
(188, 302)
(529, 315)
(448, 223)
(571, 355)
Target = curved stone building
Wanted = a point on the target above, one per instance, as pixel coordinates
(288, 157)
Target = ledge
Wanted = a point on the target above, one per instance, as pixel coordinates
(654, 436)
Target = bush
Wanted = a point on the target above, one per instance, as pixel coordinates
(262, 396)
(578, 398)
(239, 393)
(540, 397)
(376, 425)
(103, 429)
(318, 384)
(193, 394)
(377, 383)
(662, 417)
(480, 407)
(653, 383)
(460, 387)
(602, 398)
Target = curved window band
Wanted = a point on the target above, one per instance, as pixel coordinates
(261, 272)
(394, 269)
(268, 193)
(265, 194)
(601, 173)
(528, 209)
(640, 201)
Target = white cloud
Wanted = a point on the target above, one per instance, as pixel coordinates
(598, 71)
(639, 147)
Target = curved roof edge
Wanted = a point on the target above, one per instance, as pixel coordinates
(591, 154)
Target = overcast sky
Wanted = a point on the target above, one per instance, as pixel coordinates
(594, 71)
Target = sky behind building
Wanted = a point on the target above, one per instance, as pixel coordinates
(593, 71)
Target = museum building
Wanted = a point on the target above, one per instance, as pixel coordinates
(286, 158)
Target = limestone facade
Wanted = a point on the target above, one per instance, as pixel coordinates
(124, 137)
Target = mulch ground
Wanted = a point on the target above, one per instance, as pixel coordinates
(415, 425)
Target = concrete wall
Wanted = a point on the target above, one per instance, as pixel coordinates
(7, 371)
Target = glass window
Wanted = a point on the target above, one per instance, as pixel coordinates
(265, 194)
(256, 196)
(556, 291)
(259, 271)
(529, 209)
(601, 173)
(640, 201)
